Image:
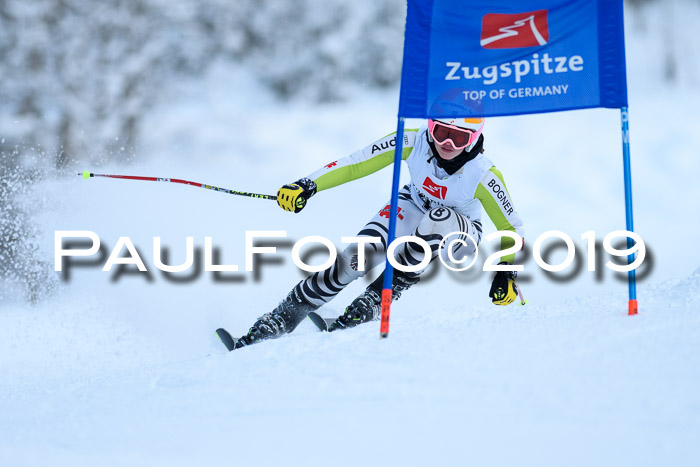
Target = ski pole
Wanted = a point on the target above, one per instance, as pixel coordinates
(87, 174)
(520, 294)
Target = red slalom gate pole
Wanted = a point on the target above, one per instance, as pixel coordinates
(87, 174)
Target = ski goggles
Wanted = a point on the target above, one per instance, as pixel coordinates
(459, 137)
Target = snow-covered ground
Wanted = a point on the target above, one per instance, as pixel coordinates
(126, 369)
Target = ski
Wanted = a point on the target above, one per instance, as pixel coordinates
(321, 323)
(226, 338)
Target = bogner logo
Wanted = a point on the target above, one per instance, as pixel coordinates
(512, 31)
(434, 189)
(501, 195)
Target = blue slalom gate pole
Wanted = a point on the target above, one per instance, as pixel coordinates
(393, 211)
(631, 277)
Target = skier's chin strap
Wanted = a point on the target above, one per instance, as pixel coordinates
(453, 165)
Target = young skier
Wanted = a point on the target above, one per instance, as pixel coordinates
(451, 181)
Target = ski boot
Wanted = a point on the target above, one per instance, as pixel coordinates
(368, 306)
(282, 320)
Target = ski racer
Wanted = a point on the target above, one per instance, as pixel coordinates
(451, 180)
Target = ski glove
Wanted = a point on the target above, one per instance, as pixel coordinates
(293, 197)
(504, 291)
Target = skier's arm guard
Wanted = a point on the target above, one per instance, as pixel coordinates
(364, 162)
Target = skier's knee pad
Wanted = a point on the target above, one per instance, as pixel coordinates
(349, 267)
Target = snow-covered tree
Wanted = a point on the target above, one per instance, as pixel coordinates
(79, 75)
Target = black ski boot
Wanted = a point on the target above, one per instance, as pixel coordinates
(282, 320)
(368, 306)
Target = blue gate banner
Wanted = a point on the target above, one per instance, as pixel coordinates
(508, 57)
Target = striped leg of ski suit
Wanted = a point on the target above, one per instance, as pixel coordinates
(431, 226)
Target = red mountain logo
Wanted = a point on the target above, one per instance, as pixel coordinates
(434, 189)
(387, 211)
(504, 31)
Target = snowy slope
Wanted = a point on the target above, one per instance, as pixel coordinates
(539, 385)
(121, 369)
